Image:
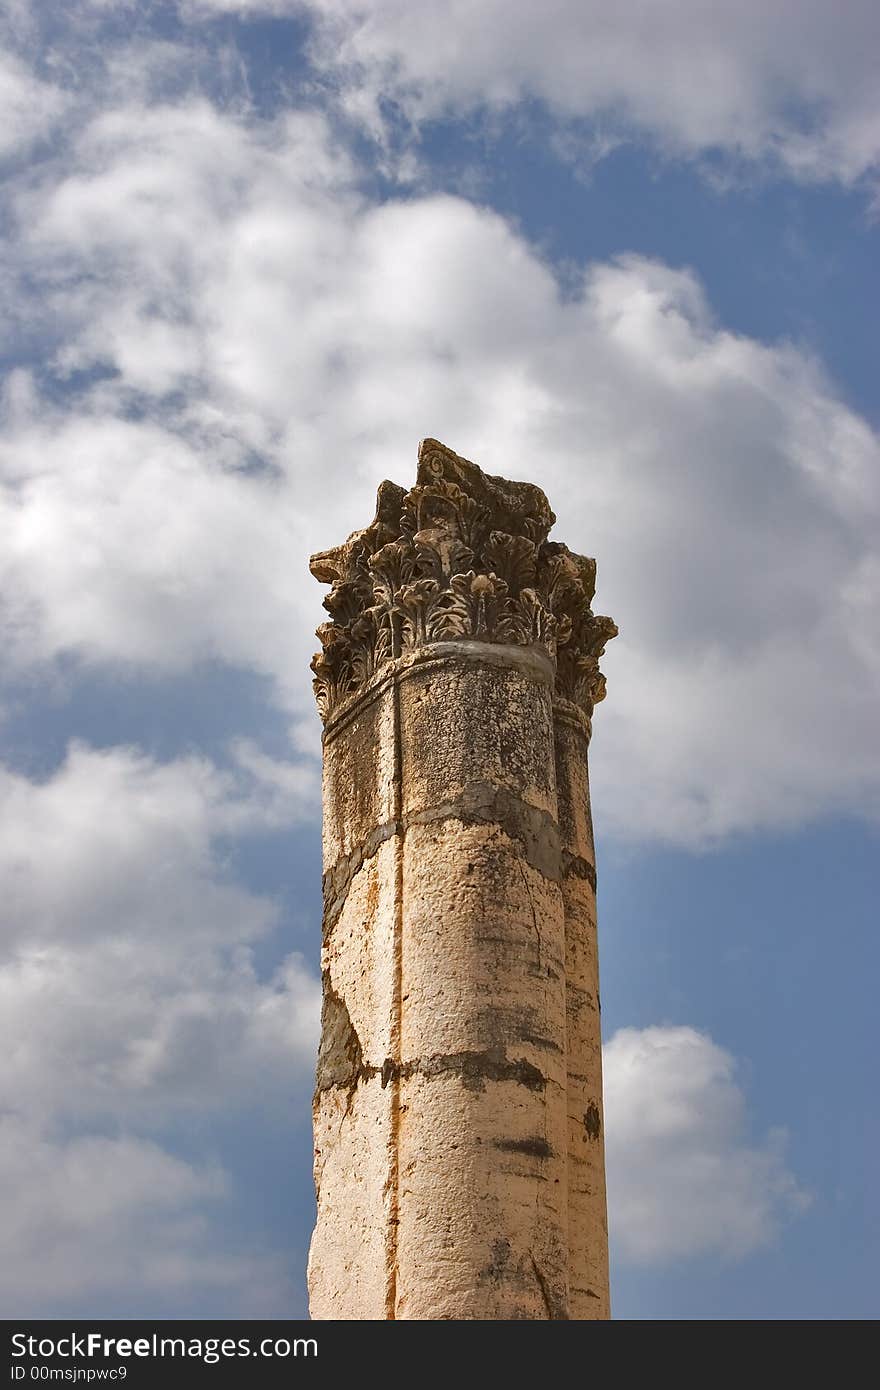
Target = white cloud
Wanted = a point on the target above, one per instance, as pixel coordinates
(238, 345)
(788, 85)
(29, 108)
(683, 1177)
(271, 344)
(787, 81)
(84, 1220)
(130, 999)
(127, 975)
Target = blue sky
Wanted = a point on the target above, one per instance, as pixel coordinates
(254, 250)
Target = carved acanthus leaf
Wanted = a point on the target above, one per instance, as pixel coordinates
(472, 607)
(513, 558)
(392, 567)
(529, 622)
(462, 555)
(440, 553)
(418, 604)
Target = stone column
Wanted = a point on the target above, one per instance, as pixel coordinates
(458, 1142)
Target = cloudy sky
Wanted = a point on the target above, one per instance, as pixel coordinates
(254, 250)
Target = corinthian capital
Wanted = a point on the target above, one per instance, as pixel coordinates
(462, 555)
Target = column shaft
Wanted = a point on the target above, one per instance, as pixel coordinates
(458, 1105)
(441, 1127)
(587, 1220)
(483, 1131)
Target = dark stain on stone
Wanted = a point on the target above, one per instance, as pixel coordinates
(340, 1058)
(535, 1147)
(498, 1263)
(497, 1027)
(476, 1068)
(592, 1122)
(574, 865)
(537, 1041)
(345, 1066)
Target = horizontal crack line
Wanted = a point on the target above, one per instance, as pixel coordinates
(532, 828)
(474, 1068)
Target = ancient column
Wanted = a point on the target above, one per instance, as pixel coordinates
(458, 1109)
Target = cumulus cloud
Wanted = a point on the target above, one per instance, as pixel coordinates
(225, 343)
(127, 973)
(29, 108)
(131, 998)
(684, 1178)
(785, 82)
(242, 344)
(90, 1218)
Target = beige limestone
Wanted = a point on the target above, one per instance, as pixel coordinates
(459, 1152)
(588, 1235)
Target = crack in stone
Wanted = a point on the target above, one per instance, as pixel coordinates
(481, 803)
(474, 1069)
(547, 1044)
(484, 804)
(537, 930)
(339, 879)
(556, 1309)
(534, 1147)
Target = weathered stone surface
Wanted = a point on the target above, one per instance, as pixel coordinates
(458, 1105)
(482, 1200)
(508, 748)
(460, 556)
(484, 948)
(587, 1219)
(354, 1155)
(358, 783)
(358, 953)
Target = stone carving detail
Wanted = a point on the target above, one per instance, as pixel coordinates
(462, 555)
